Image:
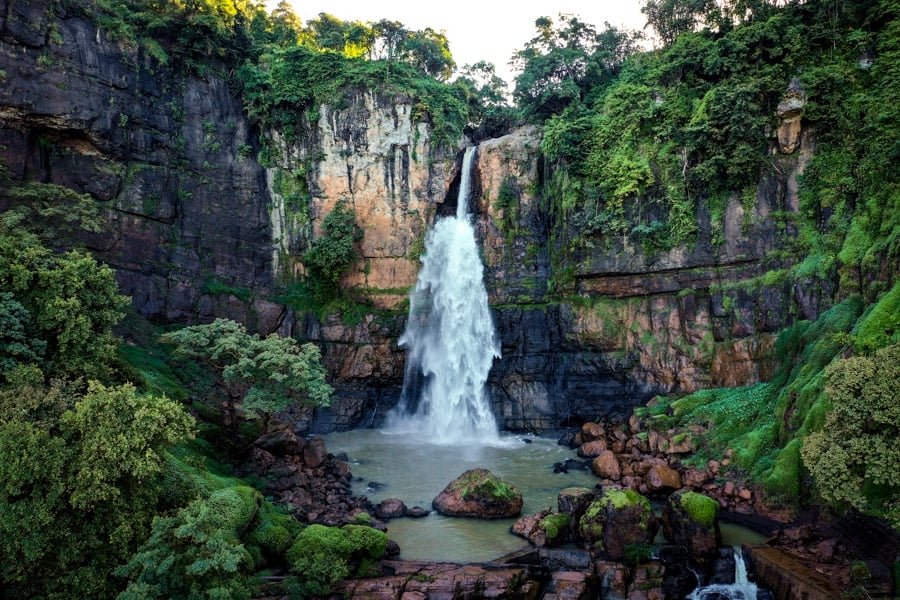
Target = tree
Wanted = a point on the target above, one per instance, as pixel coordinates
(257, 375)
(429, 52)
(671, 18)
(853, 458)
(65, 306)
(80, 481)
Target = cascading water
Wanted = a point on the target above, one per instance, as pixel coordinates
(450, 337)
(741, 589)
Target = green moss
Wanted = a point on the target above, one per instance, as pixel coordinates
(322, 556)
(214, 287)
(480, 483)
(555, 525)
(701, 509)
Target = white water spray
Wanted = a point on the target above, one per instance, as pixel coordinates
(741, 589)
(449, 336)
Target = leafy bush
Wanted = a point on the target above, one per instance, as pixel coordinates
(322, 556)
(854, 457)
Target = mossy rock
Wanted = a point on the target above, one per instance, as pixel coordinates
(322, 556)
(692, 520)
(556, 528)
(480, 494)
(618, 519)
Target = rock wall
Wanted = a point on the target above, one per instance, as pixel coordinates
(624, 324)
(199, 228)
(168, 155)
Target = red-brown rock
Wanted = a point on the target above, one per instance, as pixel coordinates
(592, 449)
(662, 478)
(606, 466)
(480, 494)
(592, 431)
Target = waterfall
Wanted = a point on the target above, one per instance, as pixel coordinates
(741, 589)
(449, 337)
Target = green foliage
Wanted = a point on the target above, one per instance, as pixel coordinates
(333, 252)
(51, 211)
(636, 554)
(555, 525)
(481, 484)
(258, 376)
(197, 553)
(214, 287)
(854, 457)
(81, 482)
(322, 556)
(61, 309)
(701, 509)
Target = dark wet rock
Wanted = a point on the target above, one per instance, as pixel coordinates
(527, 441)
(392, 549)
(567, 439)
(570, 585)
(692, 520)
(281, 443)
(314, 454)
(618, 518)
(391, 508)
(480, 494)
(374, 486)
(680, 577)
(417, 512)
(723, 568)
(573, 501)
(342, 456)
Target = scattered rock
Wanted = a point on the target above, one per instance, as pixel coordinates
(527, 440)
(592, 431)
(281, 443)
(417, 512)
(606, 466)
(695, 478)
(592, 449)
(374, 486)
(391, 508)
(542, 528)
(662, 478)
(480, 494)
(314, 453)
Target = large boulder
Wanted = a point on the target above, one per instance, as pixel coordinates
(591, 449)
(692, 520)
(662, 478)
(480, 494)
(390, 508)
(606, 466)
(616, 520)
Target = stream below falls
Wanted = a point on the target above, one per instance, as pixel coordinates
(416, 472)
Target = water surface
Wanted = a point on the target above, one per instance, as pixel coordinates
(416, 472)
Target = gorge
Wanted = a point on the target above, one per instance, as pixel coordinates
(679, 260)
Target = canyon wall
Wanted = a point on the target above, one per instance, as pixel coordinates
(199, 227)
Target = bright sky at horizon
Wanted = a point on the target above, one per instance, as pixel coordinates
(482, 30)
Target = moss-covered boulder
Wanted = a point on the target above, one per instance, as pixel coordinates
(480, 494)
(692, 520)
(543, 528)
(617, 520)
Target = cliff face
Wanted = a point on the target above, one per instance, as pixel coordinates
(169, 155)
(624, 323)
(199, 228)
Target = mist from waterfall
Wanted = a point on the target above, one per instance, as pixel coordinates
(450, 337)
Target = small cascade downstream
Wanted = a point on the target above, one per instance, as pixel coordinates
(450, 338)
(741, 589)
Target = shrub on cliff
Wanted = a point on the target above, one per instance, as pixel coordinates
(331, 254)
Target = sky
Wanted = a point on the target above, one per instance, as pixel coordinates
(477, 29)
